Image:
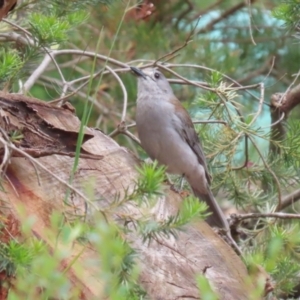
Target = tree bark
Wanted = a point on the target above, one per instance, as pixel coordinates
(168, 266)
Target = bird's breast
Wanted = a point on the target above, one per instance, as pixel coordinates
(152, 121)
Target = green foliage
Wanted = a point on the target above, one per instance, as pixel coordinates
(277, 250)
(291, 151)
(150, 179)
(117, 265)
(190, 210)
(43, 273)
(37, 266)
(50, 29)
(215, 79)
(15, 255)
(48, 24)
(6, 262)
(148, 189)
(10, 64)
(15, 135)
(205, 289)
(239, 45)
(288, 11)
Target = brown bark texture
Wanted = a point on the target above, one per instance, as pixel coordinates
(49, 135)
(6, 6)
(281, 105)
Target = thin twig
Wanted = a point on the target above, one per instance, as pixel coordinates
(32, 159)
(17, 26)
(35, 74)
(65, 84)
(212, 70)
(211, 121)
(11, 184)
(290, 86)
(70, 83)
(260, 104)
(250, 27)
(277, 215)
(18, 38)
(275, 123)
(41, 68)
(271, 68)
(130, 135)
(290, 199)
(270, 171)
(245, 164)
(184, 79)
(187, 41)
(125, 97)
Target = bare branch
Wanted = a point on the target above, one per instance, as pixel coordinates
(281, 105)
(290, 199)
(35, 75)
(238, 218)
(184, 79)
(187, 41)
(292, 99)
(212, 70)
(125, 97)
(250, 23)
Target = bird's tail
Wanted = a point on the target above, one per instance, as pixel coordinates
(217, 218)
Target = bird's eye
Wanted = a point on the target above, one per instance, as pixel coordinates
(156, 75)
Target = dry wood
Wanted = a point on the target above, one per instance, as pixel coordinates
(6, 6)
(168, 265)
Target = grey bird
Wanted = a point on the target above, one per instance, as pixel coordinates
(168, 135)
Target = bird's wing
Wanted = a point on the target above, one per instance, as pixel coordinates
(187, 131)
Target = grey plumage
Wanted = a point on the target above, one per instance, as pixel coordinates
(168, 135)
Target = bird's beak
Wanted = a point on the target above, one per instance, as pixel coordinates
(138, 72)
